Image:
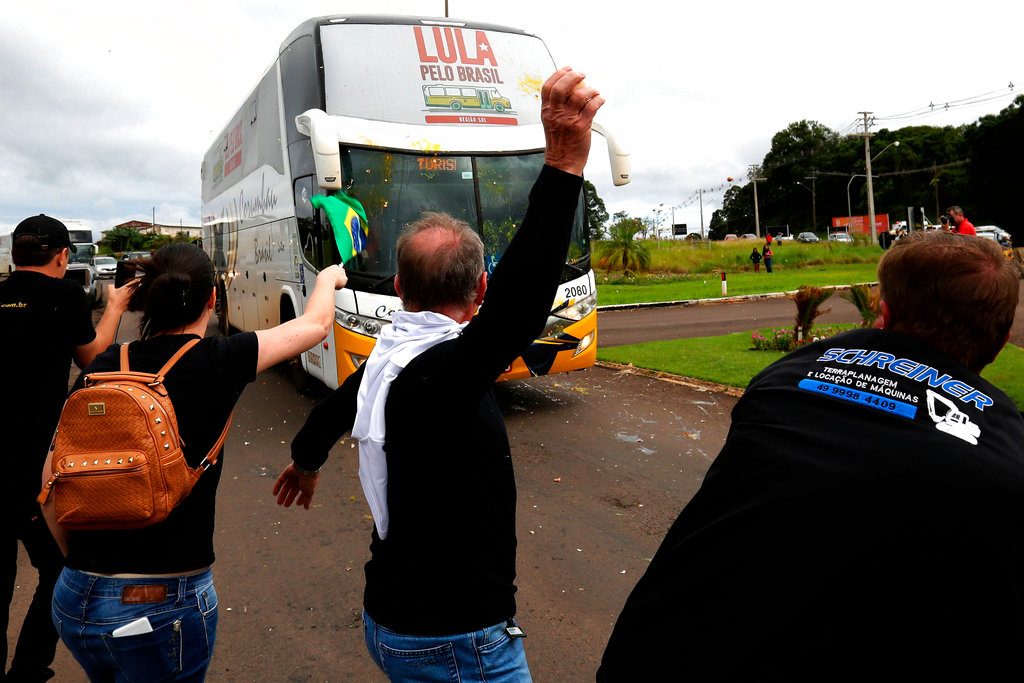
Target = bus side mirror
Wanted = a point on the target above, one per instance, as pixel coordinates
(618, 158)
(323, 136)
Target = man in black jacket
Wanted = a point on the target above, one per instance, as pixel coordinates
(435, 462)
(864, 519)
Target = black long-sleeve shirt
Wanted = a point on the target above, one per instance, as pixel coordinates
(864, 521)
(448, 563)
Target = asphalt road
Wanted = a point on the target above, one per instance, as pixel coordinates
(604, 462)
(631, 326)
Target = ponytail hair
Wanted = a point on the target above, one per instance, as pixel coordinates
(173, 289)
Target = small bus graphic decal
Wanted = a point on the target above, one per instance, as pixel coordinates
(459, 97)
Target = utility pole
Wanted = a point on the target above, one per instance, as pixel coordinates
(867, 164)
(700, 200)
(755, 174)
(814, 205)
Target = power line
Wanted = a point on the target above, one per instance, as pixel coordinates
(947, 105)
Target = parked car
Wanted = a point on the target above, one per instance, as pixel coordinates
(729, 237)
(996, 234)
(105, 266)
(748, 236)
(807, 237)
(840, 237)
(132, 255)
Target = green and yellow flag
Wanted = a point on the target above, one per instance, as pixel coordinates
(347, 219)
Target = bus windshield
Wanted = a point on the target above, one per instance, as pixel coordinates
(490, 193)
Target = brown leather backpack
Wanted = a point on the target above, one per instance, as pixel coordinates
(116, 458)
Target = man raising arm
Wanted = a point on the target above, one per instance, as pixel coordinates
(435, 462)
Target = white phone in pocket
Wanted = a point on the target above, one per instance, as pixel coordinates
(134, 628)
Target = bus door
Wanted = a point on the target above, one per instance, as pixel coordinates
(318, 251)
(485, 100)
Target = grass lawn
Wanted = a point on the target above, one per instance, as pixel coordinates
(709, 286)
(729, 360)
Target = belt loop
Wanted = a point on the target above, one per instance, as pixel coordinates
(182, 585)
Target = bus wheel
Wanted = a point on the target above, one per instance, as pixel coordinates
(499, 108)
(456, 106)
(292, 369)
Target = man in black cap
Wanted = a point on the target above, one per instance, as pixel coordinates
(46, 322)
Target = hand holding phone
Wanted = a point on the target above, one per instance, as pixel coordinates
(122, 274)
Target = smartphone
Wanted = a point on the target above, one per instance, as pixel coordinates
(134, 628)
(123, 274)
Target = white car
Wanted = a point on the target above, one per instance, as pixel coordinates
(996, 234)
(105, 266)
(840, 237)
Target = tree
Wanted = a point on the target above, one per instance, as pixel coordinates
(123, 239)
(623, 248)
(597, 214)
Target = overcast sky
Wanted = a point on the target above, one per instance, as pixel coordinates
(106, 108)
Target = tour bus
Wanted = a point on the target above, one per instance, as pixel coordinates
(342, 110)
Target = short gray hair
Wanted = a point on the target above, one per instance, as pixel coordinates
(442, 274)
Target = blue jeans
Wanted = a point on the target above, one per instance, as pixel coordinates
(489, 655)
(88, 608)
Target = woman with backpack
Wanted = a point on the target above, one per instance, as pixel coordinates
(140, 604)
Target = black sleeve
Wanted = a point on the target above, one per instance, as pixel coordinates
(237, 356)
(328, 422)
(521, 290)
(79, 316)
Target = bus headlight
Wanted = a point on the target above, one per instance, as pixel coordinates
(584, 344)
(578, 308)
(361, 324)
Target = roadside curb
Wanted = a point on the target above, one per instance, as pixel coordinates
(689, 382)
(718, 300)
(692, 382)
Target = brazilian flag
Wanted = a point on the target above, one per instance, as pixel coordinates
(347, 219)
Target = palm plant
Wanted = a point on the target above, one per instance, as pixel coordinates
(865, 298)
(625, 250)
(808, 307)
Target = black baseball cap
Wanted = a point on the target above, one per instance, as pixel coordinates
(51, 232)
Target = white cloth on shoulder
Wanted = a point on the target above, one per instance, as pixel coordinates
(408, 335)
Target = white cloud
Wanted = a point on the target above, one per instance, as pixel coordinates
(108, 107)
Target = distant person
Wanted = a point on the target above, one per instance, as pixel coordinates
(875, 529)
(944, 222)
(158, 579)
(45, 323)
(755, 258)
(434, 458)
(961, 225)
(767, 254)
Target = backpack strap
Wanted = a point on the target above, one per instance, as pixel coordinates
(211, 458)
(125, 373)
(170, 362)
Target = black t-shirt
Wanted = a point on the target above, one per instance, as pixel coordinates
(448, 562)
(42, 320)
(864, 520)
(204, 386)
